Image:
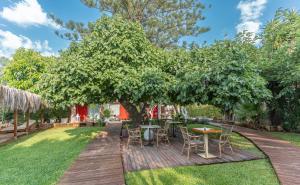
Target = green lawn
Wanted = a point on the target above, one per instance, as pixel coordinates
(241, 173)
(237, 140)
(43, 157)
(291, 137)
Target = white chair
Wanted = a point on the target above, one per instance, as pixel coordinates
(224, 140)
(191, 142)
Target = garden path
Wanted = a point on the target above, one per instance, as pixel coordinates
(284, 156)
(100, 163)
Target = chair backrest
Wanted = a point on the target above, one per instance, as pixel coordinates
(227, 130)
(185, 134)
(135, 132)
(167, 126)
(226, 133)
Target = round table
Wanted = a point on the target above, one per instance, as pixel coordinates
(205, 132)
(148, 134)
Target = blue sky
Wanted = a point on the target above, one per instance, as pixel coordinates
(24, 23)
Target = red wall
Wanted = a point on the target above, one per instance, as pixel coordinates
(124, 115)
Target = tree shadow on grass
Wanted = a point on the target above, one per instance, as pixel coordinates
(42, 158)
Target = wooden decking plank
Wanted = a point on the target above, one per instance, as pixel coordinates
(100, 163)
(137, 158)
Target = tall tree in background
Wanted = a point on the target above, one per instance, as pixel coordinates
(3, 62)
(164, 21)
(25, 69)
(280, 49)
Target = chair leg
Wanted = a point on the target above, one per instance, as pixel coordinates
(188, 154)
(231, 148)
(157, 138)
(183, 148)
(128, 142)
(167, 139)
(141, 141)
(220, 150)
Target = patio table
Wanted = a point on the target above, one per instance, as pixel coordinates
(173, 123)
(148, 128)
(205, 132)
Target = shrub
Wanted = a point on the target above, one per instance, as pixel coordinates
(106, 113)
(209, 111)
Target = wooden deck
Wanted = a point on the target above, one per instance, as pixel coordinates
(137, 158)
(100, 163)
(284, 156)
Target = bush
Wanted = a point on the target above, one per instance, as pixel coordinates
(106, 113)
(251, 113)
(209, 111)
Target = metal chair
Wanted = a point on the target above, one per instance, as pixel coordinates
(162, 134)
(134, 136)
(190, 141)
(224, 139)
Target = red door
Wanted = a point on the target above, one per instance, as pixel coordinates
(82, 111)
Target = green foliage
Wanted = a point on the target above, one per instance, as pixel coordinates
(250, 113)
(208, 111)
(106, 113)
(280, 64)
(164, 22)
(242, 173)
(25, 69)
(42, 158)
(223, 74)
(115, 61)
(3, 62)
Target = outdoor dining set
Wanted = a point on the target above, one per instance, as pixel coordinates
(195, 139)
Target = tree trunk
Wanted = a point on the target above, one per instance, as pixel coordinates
(228, 115)
(69, 114)
(42, 118)
(27, 121)
(275, 117)
(135, 115)
(15, 123)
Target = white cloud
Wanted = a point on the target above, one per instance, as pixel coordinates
(27, 13)
(9, 42)
(251, 11)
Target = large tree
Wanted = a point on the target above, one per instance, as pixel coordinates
(114, 62)
(25, 69)
(164, 21)
(280, 62)
(224, 74)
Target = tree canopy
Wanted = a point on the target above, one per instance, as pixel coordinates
(223, 74)
(280, 65)
(164, 22)
(115, 62)
(25, 69)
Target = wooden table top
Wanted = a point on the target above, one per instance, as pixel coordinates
(206, 130)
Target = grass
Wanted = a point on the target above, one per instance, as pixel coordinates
(42, 158)
(242, 173)
(291, 137)
(237, 140)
